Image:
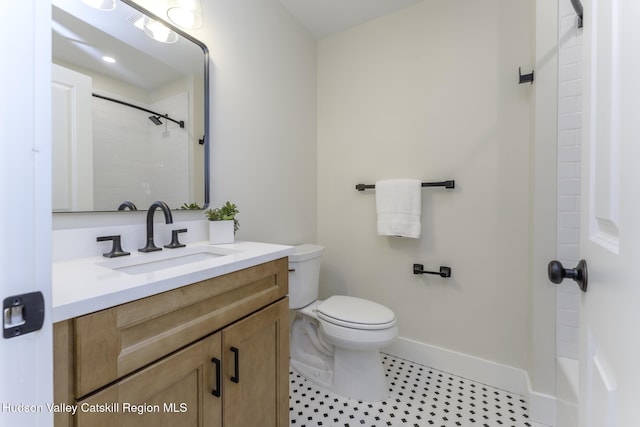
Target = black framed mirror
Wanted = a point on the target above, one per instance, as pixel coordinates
(130, 118)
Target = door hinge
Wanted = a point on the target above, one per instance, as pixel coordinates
(23, 314)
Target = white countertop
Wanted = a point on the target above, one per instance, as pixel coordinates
(85, 285)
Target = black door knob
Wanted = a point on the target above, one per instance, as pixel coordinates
(557, 273)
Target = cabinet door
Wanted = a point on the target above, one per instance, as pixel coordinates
(176, 391)
(256, 363)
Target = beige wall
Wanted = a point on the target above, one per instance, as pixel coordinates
(264, 118)
(431, 92)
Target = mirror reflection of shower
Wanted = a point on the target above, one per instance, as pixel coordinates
(155, 118)
(127, 155)
(156, 121)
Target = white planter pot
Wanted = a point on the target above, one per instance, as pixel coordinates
(221, 232)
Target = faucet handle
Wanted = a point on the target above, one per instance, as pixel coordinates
(116, 248)
(174, 239)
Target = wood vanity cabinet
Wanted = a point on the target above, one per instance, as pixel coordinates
(214, 353)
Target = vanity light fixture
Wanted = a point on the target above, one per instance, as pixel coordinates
(158, 31)
(101, 4)
(186, 14)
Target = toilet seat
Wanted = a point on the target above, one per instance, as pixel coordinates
(355, 313)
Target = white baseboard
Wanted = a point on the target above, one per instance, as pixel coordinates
(474, 368)
(542, 407)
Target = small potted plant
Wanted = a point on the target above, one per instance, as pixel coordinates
(222, 223)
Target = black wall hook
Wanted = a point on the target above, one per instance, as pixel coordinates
(444, 271)
(525, 78)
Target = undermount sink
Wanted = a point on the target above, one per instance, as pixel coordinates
(147, 262)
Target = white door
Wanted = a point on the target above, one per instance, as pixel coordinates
(72, 154)
(610, 239)
(25, 205)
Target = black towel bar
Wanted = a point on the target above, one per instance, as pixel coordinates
(445, 184)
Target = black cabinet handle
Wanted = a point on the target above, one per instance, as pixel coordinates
(216, 391)
(236, 356)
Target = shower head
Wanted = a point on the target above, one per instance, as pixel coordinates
(156, 120)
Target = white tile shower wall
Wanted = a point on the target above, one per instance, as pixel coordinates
(132, 149)
(171, 153)
(569, 149)
(119, 132)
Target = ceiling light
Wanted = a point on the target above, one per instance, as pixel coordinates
(109, 59)
(186, 13)
(101, 4)
(158, 31)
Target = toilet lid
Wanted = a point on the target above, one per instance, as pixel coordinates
(355, 313)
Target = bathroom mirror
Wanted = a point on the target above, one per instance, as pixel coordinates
(130, 113)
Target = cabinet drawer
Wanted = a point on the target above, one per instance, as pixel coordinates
(117, 341)
(176, 391)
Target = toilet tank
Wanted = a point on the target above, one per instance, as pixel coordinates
(304, 274)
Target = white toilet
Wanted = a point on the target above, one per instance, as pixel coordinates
(336, 343)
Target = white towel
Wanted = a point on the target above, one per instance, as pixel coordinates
(399, 205)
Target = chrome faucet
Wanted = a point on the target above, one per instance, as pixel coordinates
(151, 247)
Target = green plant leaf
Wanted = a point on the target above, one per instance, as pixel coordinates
(228, 211)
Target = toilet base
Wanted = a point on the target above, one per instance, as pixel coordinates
(322, 377)
(351, 373)
(359, 375)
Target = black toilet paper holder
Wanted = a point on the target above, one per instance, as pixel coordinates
(444, 271)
